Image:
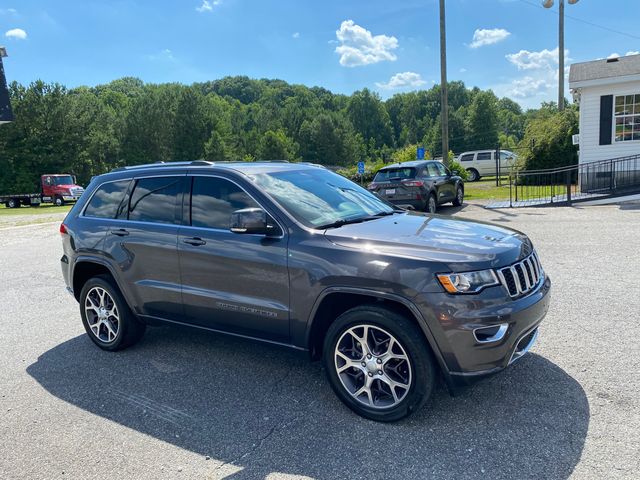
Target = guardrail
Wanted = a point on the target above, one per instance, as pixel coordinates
(566, 185)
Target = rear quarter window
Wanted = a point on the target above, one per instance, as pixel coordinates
(467, 158)
(392, 173)
(105, 202)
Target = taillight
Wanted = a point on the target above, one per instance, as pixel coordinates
(63, 229)
(413, 183)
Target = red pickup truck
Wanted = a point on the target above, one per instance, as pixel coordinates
(57, 188)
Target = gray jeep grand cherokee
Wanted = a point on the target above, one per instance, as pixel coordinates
(296, 255)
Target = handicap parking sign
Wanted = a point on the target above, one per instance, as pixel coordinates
(360, 168)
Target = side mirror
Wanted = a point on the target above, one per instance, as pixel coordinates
(251, 220)
(75, 180)
(455, 172)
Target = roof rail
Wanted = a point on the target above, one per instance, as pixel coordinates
(163, 164)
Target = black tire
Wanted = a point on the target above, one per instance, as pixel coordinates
(474, 176)
(411, 340)
(130, 330)
(432, 204)
(459, 196)
(58, 201)
(13, 203)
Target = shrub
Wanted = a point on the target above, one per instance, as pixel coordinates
(462, 172)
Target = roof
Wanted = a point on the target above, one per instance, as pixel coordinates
(610, 68)
(242, 167)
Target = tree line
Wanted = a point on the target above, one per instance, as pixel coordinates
(90, 130)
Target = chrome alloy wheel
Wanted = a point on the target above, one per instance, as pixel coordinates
(102, 314)
(373, 366)
(460, 195)
(432, 206)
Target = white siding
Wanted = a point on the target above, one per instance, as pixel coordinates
(590, 148)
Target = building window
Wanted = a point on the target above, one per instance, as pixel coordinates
(627, 118)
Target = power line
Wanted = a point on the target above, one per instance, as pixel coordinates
(584, 21)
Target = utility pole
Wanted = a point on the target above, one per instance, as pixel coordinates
(561, 56)
(549, 4)
(444, 115)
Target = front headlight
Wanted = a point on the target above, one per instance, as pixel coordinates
(468, 282)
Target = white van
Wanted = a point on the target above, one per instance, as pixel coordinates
(482, 163)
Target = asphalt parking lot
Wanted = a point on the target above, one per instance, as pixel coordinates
(184, 404)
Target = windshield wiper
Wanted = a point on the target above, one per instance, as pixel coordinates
(345, 221)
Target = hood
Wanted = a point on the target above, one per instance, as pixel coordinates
(470, 244)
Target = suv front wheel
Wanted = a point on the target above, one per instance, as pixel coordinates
(378, 363)
(106, 316)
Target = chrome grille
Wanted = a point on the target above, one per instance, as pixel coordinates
(521, 277)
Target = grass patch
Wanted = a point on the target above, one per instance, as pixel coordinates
(486, 189)
(42, 209)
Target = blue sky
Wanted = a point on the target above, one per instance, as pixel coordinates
(342, 45)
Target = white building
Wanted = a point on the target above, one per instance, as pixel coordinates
(608, 92)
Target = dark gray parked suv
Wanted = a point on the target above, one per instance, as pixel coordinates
(296, 255)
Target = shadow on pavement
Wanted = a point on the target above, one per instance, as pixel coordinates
(266, 409)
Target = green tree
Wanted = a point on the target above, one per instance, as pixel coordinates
(276, 146)
(482, 121)
(547, 141)
(369, 118)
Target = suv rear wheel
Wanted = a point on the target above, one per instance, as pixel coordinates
(378, 363)
(106, 316)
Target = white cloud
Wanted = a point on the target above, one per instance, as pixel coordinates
(528, 87)
(631, 52)
(16, 33)
(296, 35)
(207, 5)
(403, 80)
(544, 59)
(8, 11)
(359, 47)
(483, 36)
(462, 70)
(166, 55)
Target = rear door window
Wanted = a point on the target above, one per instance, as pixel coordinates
(214, 199)
(154, 199)
(432, 170)
(484, 156)
(108, 197)
(395, 173)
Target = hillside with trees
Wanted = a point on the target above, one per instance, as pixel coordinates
(90, 130)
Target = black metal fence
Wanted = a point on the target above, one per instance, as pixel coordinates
(565, 185)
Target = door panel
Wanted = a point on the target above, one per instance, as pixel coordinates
(143, 244)
(232, 282)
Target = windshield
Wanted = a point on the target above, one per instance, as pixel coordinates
(317, 197)
(62, 180)
(387, 174)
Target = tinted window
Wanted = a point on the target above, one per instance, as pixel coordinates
(154, 200)
(441, 170)
(467, 158)
(105, 202)
(213, 200)
(484, 156)
(389, 173)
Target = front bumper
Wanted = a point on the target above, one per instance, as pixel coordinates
(71, 198)
(456, 317)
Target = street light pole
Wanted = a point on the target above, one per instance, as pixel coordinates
(444, 114)
(561, 56)
(549, 4)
